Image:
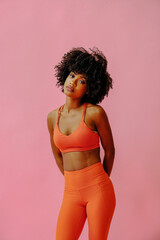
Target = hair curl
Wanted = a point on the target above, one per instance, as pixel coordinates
(93, 65)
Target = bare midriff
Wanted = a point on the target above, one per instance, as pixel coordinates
(77, 160)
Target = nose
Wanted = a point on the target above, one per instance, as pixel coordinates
(73, 81)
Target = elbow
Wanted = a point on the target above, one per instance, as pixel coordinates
(110, 152)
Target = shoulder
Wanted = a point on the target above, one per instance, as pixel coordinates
(96, 110)
(51, 119)
(97, 114)
(52, 113)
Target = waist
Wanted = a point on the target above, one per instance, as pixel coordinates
(85, 177)
(73, 161)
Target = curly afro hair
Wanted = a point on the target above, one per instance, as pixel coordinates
(93, 65)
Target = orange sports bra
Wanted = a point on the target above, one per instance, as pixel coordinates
(82, 139)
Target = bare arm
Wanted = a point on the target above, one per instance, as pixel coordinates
(56, 152)
(104, 129)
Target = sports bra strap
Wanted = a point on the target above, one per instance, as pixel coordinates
(83, 114)
(84, 110)
(59, 112)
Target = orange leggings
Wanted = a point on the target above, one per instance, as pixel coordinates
(88, 193)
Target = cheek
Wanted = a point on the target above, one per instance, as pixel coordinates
(83, 89)
(66, 81)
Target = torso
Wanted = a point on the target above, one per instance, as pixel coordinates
(68, 124)
(78, 160)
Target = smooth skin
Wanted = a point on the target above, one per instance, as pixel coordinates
(88, 193)
(95, 118)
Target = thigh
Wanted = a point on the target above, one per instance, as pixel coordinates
(71, 218)
(100, 210)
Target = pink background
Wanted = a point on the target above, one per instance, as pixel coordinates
(34, 36)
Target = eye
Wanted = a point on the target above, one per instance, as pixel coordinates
(82, 81)
(71, 75)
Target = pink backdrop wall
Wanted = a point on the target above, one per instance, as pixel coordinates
(34, 36)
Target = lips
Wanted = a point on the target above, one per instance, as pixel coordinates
(69, 88)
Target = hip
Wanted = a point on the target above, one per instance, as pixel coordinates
(86, 177)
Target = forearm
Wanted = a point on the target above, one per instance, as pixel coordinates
(108, 162)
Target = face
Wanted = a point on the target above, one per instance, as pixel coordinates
(75, 85)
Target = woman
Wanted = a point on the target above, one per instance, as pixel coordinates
(75, 129)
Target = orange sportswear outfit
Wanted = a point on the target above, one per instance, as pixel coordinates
(88, 192)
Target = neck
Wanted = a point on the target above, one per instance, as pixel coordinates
(72, 104)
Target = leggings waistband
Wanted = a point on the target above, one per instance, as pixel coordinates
(85, 177)
(82, 170)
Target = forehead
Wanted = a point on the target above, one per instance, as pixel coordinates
(79, 74)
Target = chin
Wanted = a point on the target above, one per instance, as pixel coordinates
(67, 93)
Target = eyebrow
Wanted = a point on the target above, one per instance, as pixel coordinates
(81, 76)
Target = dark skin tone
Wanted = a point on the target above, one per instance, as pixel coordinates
(95, 118)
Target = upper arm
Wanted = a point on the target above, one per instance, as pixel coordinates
(50, 122)
(50, 119)
(104, 129)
